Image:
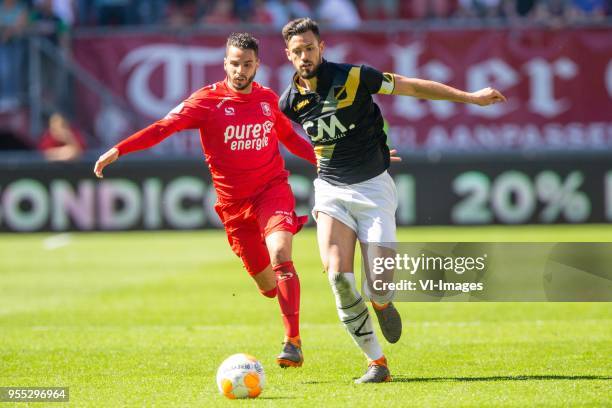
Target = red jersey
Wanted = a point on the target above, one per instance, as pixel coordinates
(47, 141)
(239, 135)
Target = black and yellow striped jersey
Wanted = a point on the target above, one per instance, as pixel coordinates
(342, 121)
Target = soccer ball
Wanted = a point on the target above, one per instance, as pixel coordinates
(241, 376)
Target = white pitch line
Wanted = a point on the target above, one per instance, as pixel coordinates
(57, 241)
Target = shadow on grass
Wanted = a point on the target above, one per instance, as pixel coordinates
(314, 382)
(276, 398)
(399, 378)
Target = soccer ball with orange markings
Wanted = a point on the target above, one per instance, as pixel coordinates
(241, 376)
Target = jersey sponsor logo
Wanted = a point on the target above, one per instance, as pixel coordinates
(230, 111)
(301, 104)
(248, 136)
(266, 109)
(334, 129)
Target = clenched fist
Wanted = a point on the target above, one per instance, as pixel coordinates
(486, 96)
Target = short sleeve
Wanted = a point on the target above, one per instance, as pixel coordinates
(377, 82)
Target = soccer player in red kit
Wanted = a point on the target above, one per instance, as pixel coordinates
(239, 125)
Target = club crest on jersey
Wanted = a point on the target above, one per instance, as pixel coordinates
(266, 109)
(230, 111)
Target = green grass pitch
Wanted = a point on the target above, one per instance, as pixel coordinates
(144, 319)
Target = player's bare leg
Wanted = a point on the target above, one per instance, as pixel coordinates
(279, 245)
(388, 317)
(266, 282)
(337, 248)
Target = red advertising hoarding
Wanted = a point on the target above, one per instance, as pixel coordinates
(558, 83)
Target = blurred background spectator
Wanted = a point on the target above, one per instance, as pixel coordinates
(281, 11)
(220, 12)
(583, 11)
(523, 8)
(113, 12)
(49, 23)
(61, 141)
(64, 9)
(13, 20)
(437, 9)
(182, 13)
(552, 12)
(338, 14)
(379, 9)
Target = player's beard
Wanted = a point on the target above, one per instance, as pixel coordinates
(312, 72)
(246, 83)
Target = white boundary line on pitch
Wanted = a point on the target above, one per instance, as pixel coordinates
(136, 327)
(57, 241)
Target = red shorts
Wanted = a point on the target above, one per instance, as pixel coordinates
(247, 222)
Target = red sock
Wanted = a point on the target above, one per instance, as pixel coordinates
(268, 293)
(288, 285)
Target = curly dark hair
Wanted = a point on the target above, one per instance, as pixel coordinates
(244, 41)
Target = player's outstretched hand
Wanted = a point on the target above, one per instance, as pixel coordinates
(487, 96)
(394, 157)
(104, 160)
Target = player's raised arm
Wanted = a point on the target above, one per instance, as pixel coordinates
(425, 89)
(180, 118)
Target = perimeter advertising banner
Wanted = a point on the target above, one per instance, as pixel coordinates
(161, 194)
(558, 83)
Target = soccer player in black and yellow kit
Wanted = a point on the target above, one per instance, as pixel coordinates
(355, 198)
